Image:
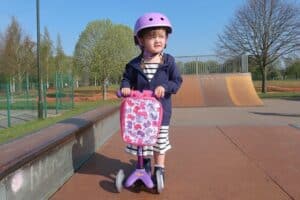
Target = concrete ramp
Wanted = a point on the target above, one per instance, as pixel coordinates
(217, 90)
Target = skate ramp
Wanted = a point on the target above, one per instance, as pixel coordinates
(217, 90)
(241, 90)
(187, 95)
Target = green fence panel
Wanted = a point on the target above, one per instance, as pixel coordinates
(18, 101)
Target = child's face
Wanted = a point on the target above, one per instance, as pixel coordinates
(154, 41)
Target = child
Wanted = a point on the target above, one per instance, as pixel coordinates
(156, 71)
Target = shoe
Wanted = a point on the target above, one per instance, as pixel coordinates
(147, 165)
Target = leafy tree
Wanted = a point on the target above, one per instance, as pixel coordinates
(11, 46)
(17, 55)
(112, 52)
(265, 29)
(293, 70)
(26, 57)
(86, 45)
(46, 53)
(103, 50)
(1, 57)
(60, 55)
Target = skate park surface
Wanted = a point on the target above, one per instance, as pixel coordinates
(217, 153)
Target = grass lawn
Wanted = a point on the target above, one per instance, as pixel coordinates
(280, 95)
(32, 126)
(280, 83)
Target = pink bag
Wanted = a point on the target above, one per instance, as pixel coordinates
(140, 116)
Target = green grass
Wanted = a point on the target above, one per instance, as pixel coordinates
(280, 95)
(280, 83)
(32, 126)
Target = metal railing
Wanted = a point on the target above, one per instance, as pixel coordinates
(206, 64)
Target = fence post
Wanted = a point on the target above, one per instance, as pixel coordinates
(72, 91)
(27, 91)
(197, 65)
(56, 93)
(244, 63)
(8, 106)
(45, 100)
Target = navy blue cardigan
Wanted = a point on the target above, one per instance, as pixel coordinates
(167, 75)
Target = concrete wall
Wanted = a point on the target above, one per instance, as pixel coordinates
(62, 148)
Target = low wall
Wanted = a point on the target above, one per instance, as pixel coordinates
(35, 166)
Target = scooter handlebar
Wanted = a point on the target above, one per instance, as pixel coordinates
(136, 93)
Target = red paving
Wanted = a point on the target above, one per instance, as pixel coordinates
(215, 162)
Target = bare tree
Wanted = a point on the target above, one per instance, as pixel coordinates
(265, 29)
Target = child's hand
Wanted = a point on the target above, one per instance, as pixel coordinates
(125, 91)
(159, 92)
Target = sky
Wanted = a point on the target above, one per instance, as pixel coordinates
(196, 23)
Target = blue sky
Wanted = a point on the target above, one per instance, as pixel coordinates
(196, 23)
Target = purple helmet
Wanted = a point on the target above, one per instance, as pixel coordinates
(152, 20)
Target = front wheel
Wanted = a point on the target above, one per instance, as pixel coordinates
(160, 181)
(119, 180)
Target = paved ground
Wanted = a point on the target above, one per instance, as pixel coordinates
(218, 153)
(274, 112)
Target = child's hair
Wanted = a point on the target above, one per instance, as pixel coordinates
(146, 31)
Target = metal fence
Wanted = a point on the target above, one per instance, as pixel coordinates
(206, 64)
(18, 101)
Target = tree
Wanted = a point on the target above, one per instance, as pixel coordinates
(293, 69)
(60, 55)
(1, 57)
(46, 53)
(103, 50)
(265, 29)
(26, 60)
(84, 49)
(111, 54)
(11, 46)
(17, 55)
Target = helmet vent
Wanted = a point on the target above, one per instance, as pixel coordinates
(162, 18)
(151, 19)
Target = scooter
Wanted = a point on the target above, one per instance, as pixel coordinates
(139, 111)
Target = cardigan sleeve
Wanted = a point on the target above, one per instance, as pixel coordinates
(175, 79)
(126, 81)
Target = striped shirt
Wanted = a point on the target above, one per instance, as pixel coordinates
(150, 69)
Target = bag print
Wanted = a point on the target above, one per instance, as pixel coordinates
(140, 116)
